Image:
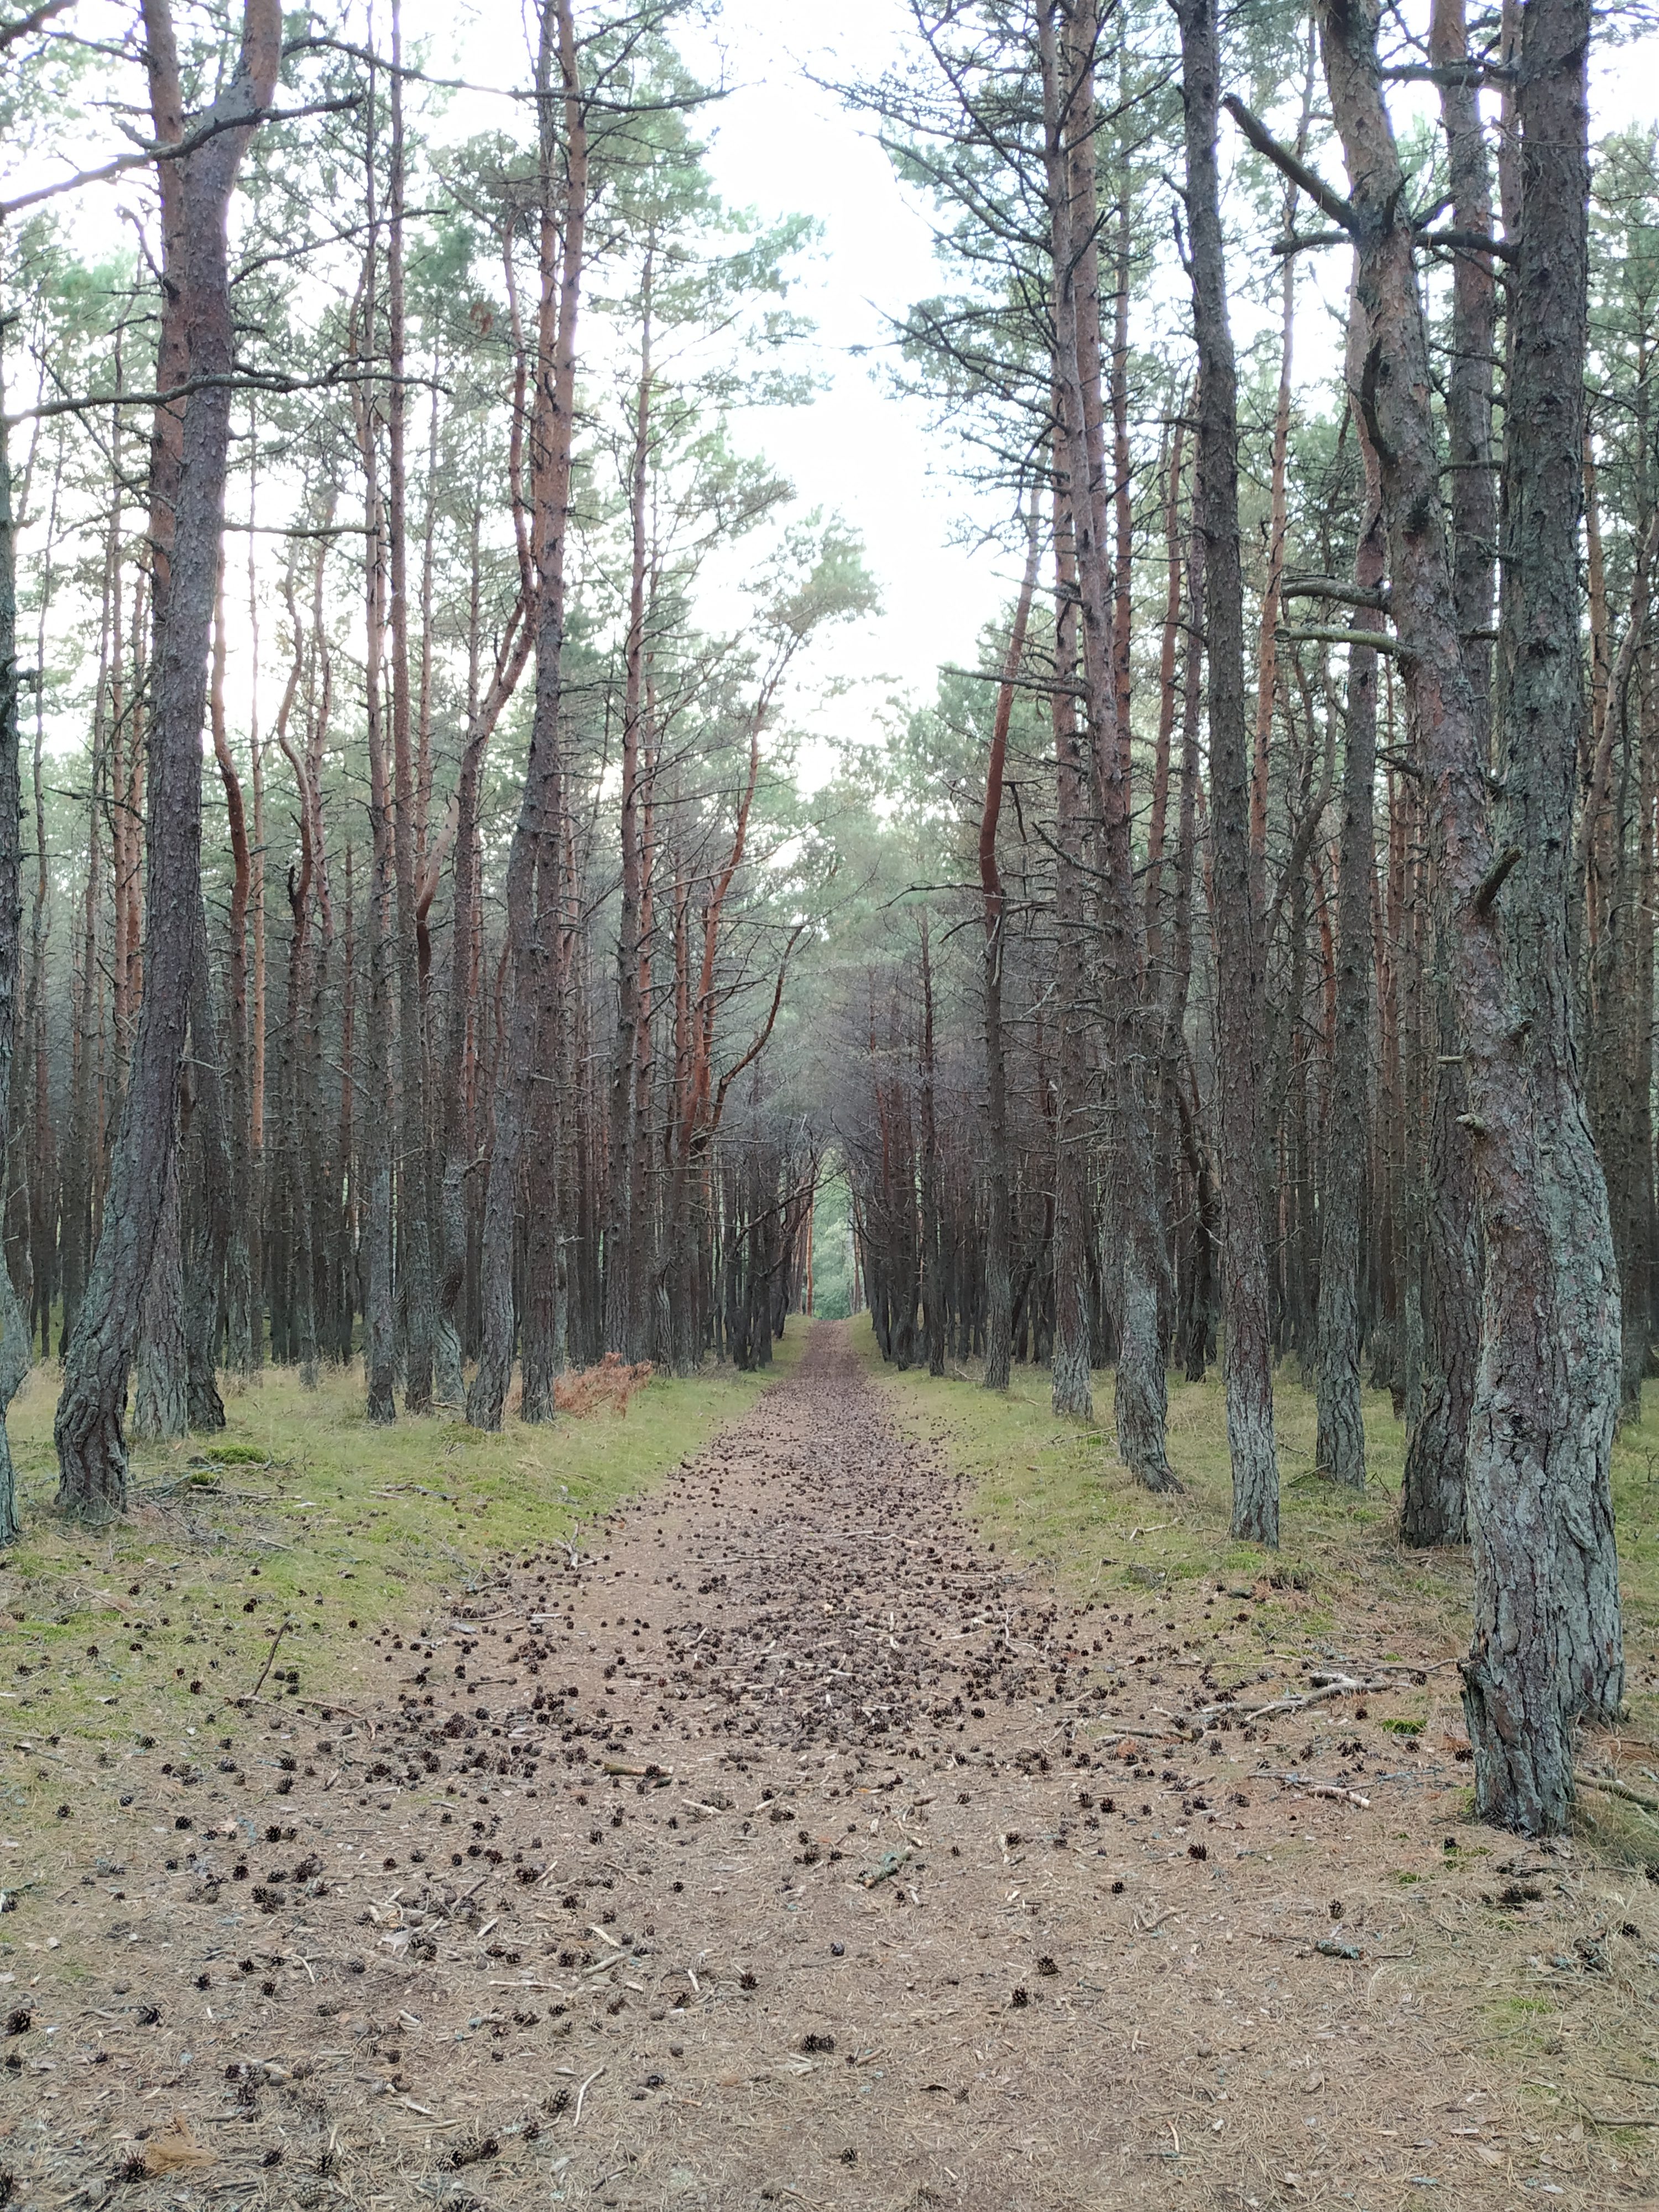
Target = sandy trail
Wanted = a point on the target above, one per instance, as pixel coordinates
(775, 1852)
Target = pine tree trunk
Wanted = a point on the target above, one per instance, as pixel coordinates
(1547, 1649)
(196, 194)
(415, 1284)
(14, 1333)
(998, 1224)
(535, 861)
(160, 1380)
(1339, 1446)
(1241, 993)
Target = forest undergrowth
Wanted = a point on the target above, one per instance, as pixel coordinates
(300, 1517)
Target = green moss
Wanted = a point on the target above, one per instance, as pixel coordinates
(1054, 1489)
(302, 1517)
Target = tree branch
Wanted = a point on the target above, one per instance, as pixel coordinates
(162, 150)
(1301, 241)
(26, 25)
(1467, 241)
(1324, 197)
(1331, 588)
(1378, 640)
(239, 380)
(1020, 682)
(1495, 878)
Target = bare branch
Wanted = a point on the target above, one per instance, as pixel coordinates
(26, 25)
(1324, 197)
(160, 151)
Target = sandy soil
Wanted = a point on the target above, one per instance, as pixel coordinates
(790, 1847)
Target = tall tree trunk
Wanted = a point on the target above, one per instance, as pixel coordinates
(535, 871)
(998, 1333)
(14, 1335)
(1432, 1499)
(622, 1291)
(1241, 994)
(1547, 1649)
(195, 192)
(932, 1282)
(413, 1179)
(238, 1289)
(1141, 1266)
(1339, 1446)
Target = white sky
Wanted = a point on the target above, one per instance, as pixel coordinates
(783, 147)
(781, 144)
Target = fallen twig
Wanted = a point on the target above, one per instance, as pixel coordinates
(1346, 1688)
(1615, 1789)
(271, 1660)
(1322, 1790)
(576, 2119)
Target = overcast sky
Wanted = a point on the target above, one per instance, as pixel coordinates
(783, 146)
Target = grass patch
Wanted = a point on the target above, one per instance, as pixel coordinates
(301, 1527)
(1052, 1492)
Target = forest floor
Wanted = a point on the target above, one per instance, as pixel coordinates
(890, 1808)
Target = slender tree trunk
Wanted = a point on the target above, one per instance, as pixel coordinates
(413, 1179)
(534, 874)
(14, 1334)
(998, 1254)
(1141, 1264)
(623, 1291)
(238, 1289)
(1432, 1502)
(932, 1283)
(1241, 996)
(1340, 1447)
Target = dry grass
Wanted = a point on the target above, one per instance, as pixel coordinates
(606, 1387)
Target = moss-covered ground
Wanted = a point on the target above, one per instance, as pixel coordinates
(1052, 1491)
(290, 1553)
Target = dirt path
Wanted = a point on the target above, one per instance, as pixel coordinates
(776, 1853)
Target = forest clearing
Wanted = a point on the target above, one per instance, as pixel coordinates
(829, 894)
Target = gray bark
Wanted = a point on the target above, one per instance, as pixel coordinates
(1339, 1445)
(1547, 1648)
(161, 1381)
(91, 1444)
(1239, 941)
